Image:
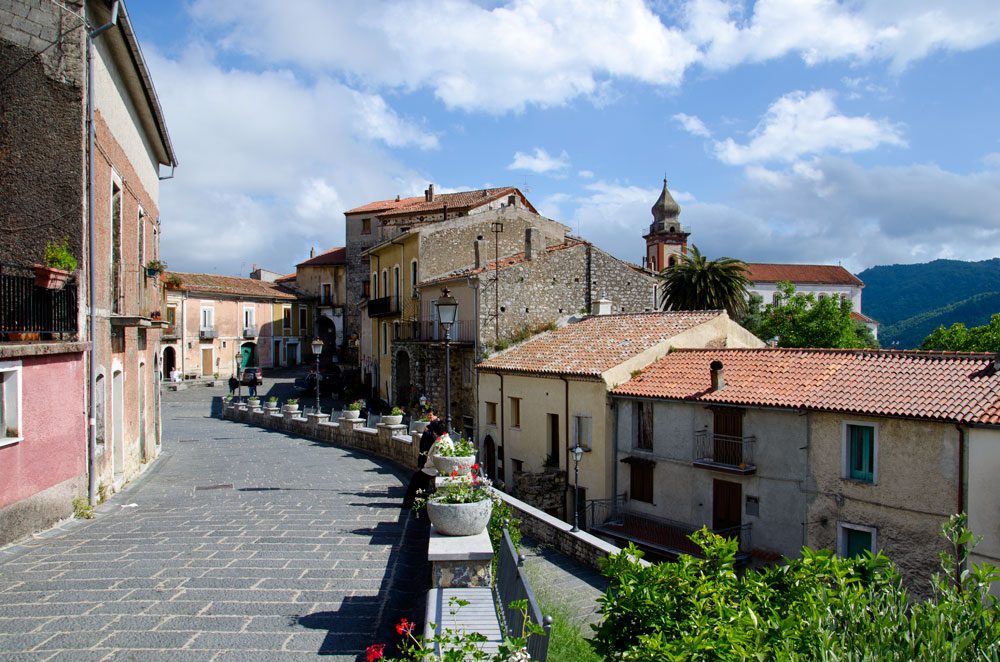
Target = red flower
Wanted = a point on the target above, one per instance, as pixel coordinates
(375, 652)
(454, 474)
(475, 467)
(404, 627)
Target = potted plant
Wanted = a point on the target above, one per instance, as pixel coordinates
(421, 424)
(59, 263)
(453, 456)
(272, 402)
(292, 405)
(253, 401)
(154, 268)
(354, 409)
(462, 505)
(173, 281)
(394, 417)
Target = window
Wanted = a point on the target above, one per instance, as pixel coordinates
(249, 318)
(141, 340)
(581, 431)
(286, 318)
(116, 245)
(644, 425)
(855, 540)
(303, 321)
(366, 226)
(10, 403)
(467, 372)
(413, 278)
(385, 283)
(515, 412)
(207, 318)
(171, 320)
(860, 446)
(776, 298)
(491, 413)
(100, 412)
(641, 481)
(142, 248)
(366, 290)
(326, 297)
(374, 285)
(395, 282)
(385, 338)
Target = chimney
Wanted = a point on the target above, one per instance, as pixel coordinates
(429, 193)
(533, 243)
(312, 252)
(480, 247)
(718, 380)
(602, 307)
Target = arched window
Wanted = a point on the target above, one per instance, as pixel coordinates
(395, 282)
(374, 285)
(413, 277)
(385, 338)
(385, 283)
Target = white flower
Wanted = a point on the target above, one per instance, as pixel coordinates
(520, 656)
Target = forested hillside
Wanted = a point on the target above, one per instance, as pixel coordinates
(911, 300)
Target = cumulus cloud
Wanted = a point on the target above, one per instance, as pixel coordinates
(693, 125)
(540, 161)
(798, 124)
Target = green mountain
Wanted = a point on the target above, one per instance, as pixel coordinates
(911, 300)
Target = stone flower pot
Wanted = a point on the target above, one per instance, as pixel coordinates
(420, 426)
(460, 519)
(291, 408)
(352, 413)
(392, 420)
(446, 465)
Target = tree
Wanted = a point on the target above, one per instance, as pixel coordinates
(958, 338)
(805, 320)
(819, 607)
(697, 283)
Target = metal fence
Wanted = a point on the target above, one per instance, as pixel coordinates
(512, 585)
(430, 330)
(28, 309)
(724, 449)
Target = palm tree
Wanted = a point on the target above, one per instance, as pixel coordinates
(697, 283)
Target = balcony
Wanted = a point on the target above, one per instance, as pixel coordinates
(207, 333)
(170, 332)
(383, 307)
(250, 332)
(27, 312)
(611, 517)
(724, 453)
(430, 331)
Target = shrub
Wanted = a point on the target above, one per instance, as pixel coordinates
(57, 255)
(82, 508)
(357, 405)
(396, 411)
(292, 401)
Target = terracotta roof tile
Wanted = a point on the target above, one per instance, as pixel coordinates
(861, 317)
(455, 202)
(333, 256)
(504, 262)
(386, 205)
(232, 285)
(816, 274)
(945, 386)
(287, 278)
(596, 344)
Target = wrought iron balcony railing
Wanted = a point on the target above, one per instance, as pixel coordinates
(207, 333)
(431, 331)
(722, 452)
(26, 309)
(383, 307)
(250, 332)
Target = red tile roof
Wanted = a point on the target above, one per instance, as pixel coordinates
(287, 278)
(813, 274)
(946, 386)
(596, 344)
(232, 286)
(861, 317)
(334, 256)
(455, 202)
(504, 262)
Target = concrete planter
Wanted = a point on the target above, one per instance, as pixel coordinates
(460, 519)
(290, 408)
(392, 420)
(352, 413)
(420, 426)
(446, 465)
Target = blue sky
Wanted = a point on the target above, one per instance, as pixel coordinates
(861, 132)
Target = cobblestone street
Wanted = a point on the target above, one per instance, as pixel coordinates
(237, 544)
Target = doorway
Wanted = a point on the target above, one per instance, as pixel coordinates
(248, 355)
(169, 361)
(491, 457)
(276, 356)
(206, 362)
(142, 412)
(727, 498)
(117, 425)
(553, 429)
(727, 441)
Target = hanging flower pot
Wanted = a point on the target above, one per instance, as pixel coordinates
(50, 278)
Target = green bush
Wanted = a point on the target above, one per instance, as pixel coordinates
(819, 607)
(57, 255)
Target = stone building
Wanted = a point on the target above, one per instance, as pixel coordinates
(218, 325)
(321, 282)
(83, 137)
(849, 450)
(379, 221)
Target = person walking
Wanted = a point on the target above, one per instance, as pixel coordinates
(252, 387)
(233, 385)
(422, 480)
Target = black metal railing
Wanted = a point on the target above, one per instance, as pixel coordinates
(659, 533)
(27, 308)
(723, 449)
(512, 585)
(431, 331)
(383, 306)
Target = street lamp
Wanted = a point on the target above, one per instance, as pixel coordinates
(239, 377)
(577, 456)
(447, 309)
(317, 348)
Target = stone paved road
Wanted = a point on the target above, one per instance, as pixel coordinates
(239, 544)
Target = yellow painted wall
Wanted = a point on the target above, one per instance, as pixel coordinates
(388, 257)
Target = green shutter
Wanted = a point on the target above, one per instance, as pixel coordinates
(858, 542)
(862, 452)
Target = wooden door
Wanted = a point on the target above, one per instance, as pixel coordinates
(206, 362)
(727, 499)
(727, 440)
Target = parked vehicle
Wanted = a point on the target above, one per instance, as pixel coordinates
(252, 376)
(330, 382)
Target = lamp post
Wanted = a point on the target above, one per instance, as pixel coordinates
(239, 377)
(447, 309)
(317, 348)
(577, 456)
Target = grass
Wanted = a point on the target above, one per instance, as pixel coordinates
(568, 641)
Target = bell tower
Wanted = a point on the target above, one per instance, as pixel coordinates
(666, 239)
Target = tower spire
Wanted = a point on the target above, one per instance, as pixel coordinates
(666, 238)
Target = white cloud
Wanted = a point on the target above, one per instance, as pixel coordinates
(380, 122)
(693, 125)
(540, 161)
(798, 124)
(585, 174)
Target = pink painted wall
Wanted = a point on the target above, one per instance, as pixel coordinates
(53, 422)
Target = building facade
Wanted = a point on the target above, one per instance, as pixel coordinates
(73, 95)
(321, 282)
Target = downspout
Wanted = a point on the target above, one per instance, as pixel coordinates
(476, 356)
(503, 427)
(566, 453)
(91, 262)
(614, 451)
(961, 496)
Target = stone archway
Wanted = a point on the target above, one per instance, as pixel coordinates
(169, 361)
(403, 381)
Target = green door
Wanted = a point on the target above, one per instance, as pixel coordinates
(247, 355)
(858, 542)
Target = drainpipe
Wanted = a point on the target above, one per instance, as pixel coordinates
(566, 454)
(961, 469)
(503, 427)
(91, 262)
(614, 453)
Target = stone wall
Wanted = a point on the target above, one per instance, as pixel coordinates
(42, 128)
(545, 491)
(427, 376)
